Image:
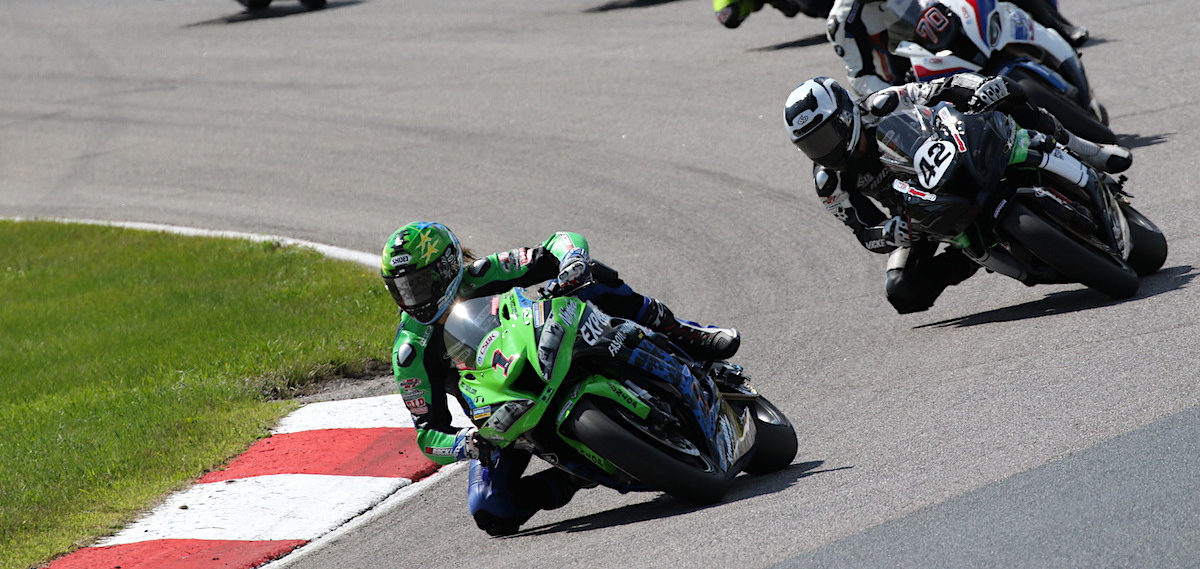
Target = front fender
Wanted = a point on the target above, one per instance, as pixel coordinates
(605, 388)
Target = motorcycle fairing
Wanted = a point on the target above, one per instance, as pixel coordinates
(953, 163)
(1052, 78)
(522, 350)
(991, 27)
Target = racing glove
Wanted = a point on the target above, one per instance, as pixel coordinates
(468, 445)
(574, 269)
(897, 233)
(989, 93)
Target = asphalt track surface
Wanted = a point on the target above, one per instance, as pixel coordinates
(1006, 427)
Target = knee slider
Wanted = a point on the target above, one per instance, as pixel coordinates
(906, 295)
(494, 525)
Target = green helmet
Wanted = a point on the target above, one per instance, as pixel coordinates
(422, 268)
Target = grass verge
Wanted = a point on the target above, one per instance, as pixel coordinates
(131, 362)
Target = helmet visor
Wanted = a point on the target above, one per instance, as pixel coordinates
(417, 292)
(414, 288)
(826, 145)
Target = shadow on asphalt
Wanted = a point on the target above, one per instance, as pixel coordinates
(1140, 141)
(1064, 302)
(815, 39)
(280, 9)
(664, 506)
(625, 4)
(1093, 41)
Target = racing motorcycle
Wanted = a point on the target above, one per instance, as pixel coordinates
(609, 401)
(1036, 214)
(998, 38)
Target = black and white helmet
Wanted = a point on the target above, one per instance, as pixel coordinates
(824, 121)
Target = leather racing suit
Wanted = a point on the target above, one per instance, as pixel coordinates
(859, 32)
(916, 276)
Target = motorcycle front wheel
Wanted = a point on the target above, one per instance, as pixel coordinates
(774, 440)
(1079, 262)
(687, 476)
(1149, 245)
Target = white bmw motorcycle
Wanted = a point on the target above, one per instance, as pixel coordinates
(946, 37)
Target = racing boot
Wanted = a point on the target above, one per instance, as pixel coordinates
(1105, 157)
(700, 342)
(1047, 14)
(731, 13)
(1076, 35)
(1109, 158)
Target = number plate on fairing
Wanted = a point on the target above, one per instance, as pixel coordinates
(932, 161)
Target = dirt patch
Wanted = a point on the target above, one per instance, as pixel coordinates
(348, 388)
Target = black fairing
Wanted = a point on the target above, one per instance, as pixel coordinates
(969, 183)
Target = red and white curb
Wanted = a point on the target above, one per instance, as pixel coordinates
(325, 464)
(322, 468)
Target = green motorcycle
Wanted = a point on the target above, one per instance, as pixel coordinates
(610, 401)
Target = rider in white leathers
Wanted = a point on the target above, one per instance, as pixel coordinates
(858, 30)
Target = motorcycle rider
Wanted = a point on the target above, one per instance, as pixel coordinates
(859, 32)
(426, 269)
(731, 13)
(838, 134)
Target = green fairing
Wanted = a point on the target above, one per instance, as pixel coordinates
(509, 380)
(492, 385)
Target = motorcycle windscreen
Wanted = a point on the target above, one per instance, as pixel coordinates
(901, 134)
(470, 321)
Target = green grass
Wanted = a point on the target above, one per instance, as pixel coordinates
(131, 362)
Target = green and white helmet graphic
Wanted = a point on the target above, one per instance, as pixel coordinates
(422, 268)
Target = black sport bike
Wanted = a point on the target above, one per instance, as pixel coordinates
(1038, 215)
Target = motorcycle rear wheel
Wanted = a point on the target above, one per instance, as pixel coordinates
(649, 463)
(1078, 262)
(1074, 118)
(1149, 245)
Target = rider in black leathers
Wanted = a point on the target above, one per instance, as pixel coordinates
(838, 134)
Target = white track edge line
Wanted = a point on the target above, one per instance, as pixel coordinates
(397, 499)
(366, 259)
